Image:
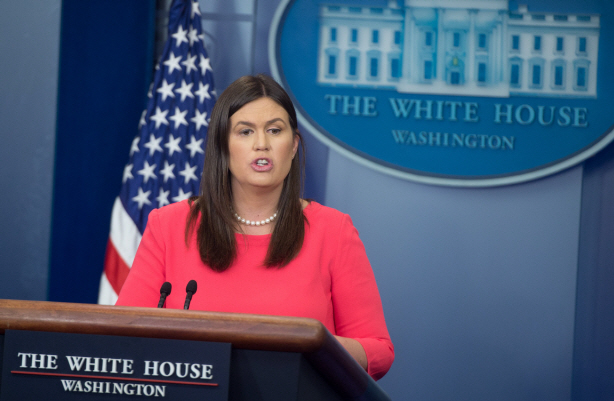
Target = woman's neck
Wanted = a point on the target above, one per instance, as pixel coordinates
(256, 206)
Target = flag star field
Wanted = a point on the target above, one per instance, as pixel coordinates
(166, 157)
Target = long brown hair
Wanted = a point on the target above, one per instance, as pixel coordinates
(216, 232)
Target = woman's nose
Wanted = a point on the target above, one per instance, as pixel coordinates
(261, 141)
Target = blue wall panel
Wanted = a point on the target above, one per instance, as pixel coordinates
(594, 335)
(105, 71)
(29, 53)
(478, 285)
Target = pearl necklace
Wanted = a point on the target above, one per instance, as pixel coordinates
(256, 223)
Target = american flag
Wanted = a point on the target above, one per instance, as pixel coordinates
(166, 157)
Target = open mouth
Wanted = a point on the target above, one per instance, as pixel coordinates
(262, 162)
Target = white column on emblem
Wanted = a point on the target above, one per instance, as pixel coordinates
(471, 39)
(441, 52)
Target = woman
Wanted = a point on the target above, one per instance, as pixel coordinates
(249, 240)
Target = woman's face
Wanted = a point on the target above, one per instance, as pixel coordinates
(261, 145)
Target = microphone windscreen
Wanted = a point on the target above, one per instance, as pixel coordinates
(191, 287)
(166, 288)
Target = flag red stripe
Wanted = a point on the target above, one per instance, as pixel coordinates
(115, 268)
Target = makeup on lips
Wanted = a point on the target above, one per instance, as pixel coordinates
(262, 164)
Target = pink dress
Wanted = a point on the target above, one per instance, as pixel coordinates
(330, 280)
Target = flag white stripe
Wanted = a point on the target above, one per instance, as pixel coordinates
(106, 294)
(124, 235)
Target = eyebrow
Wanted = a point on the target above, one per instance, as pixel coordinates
(249, 124)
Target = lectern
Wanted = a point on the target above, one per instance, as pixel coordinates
(272, 358)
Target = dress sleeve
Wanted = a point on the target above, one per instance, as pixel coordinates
(142, 286)
(356, 301)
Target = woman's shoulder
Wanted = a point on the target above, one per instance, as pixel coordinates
(319, 212)
(172, 212)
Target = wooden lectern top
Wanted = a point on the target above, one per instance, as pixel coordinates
(270, 333)
(243, 331)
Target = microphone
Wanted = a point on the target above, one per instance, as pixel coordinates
(165, 291)
(190, 289)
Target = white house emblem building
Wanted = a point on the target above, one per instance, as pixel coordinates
(468, 48)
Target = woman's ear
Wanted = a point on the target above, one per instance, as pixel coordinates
(297, 139)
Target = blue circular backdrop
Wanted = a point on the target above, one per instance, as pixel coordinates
(538, 149)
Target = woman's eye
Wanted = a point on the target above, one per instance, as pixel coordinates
(245, 132)
(274, 131)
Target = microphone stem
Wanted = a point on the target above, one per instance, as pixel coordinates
(162, 300)
(188, 299)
